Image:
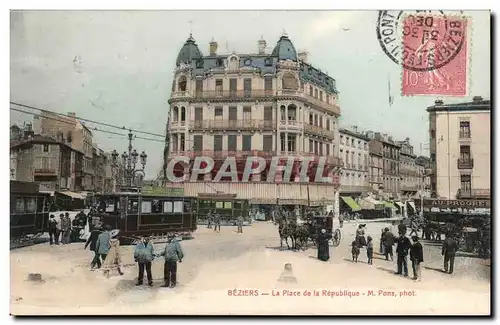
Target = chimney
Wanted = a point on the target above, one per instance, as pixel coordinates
(477, 99)
(303, 56)
(72, 114)
(262, 46)
(438, 102)
(213, 48)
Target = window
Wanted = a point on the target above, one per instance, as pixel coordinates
(233, 86)
(320, 122)
(310, 91)
(46, 163)
(246, 142)
(219, 86)
(320, 95)
(292, 139)
(220, 63)
(268, 62)
(217, 142)
(30, 205)
(233, 113)
(248, 62)
(178, 207)
(218, 112)
(352, 143)
(199, 64)
(182, 142)
(228, 205)
(267, 142)
(199, 86)
(146, 206)
(327, 122)
(157, 207)
(311, 146)
(167, 207)
(268, 84)
(20, 205)
(198, 114)
(182, 83)
(464, 129)
(282, 113)
(465, 182)
(231, 142)
(247, 87)
(316, 93)
(175, 143)
(327, 149)
(268, 113)
(282, 142)
(198, 143)
(133, 206)
(320, 151)
(465, 152)
(45, 148)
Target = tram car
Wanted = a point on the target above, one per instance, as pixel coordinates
(141, 214)
(29, 211)
(227, 206)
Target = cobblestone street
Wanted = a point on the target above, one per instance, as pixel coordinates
(218, 262)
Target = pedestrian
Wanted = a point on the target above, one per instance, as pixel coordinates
(355, 251)
(66, 228)
(209, 219)
(113, 259)
(172, 253)
(414, 227)
(369, 249)
(416, 257)
(240, 224)
(217, 222)
(92, 241)
(341, 220)
(323, 246)
(144, 255)
(388, 239)
(450, 247)
(53, 230)
(360, 236)
(402, 250)
(381, 248)
(103, 243)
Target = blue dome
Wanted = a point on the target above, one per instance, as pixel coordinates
(189, 52)
(285, 50)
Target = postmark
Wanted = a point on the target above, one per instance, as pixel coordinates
(436, 49)
(432, 39)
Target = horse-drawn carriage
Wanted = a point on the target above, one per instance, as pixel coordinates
(324, 222)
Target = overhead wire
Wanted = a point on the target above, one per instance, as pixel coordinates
(91, 128)
(88, 120)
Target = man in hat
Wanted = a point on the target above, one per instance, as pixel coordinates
(144, 255)
(92, 241)
(217, 222)
(402, 250)
(209, 219)
(53, 230)
(172, 253)
(449, 249)
(416, 257)
(66, 228)
(388, 242)
(239, 223)
(103, 243)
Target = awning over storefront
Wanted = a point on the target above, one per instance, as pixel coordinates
(366, 204)
(73, 195)
(351, 203)
(412, 205)
(399, 205)
(388, 204)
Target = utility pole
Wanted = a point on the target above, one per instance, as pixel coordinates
(166, 150)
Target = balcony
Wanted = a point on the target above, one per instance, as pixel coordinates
(465, 163)
(291, 124)
(355, 189)
(45, 172)
(474, 194)
(219, 155)
(332, 108)
(251, 94)
(234, 125)
(409, 188)
(376, 179)
(316, 130)
(464, 136)
(178, 124)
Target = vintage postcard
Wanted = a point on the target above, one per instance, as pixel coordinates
(250, 162)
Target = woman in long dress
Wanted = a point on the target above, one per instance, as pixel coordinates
(113, 260)
(323, 246)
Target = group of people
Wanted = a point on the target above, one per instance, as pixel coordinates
(107, 257)
(60, 230)
(215, 220)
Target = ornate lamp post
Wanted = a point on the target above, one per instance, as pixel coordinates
(127, 173)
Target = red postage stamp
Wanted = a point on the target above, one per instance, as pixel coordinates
(434, 55)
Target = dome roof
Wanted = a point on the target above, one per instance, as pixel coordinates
(285, 50)
(189, 52)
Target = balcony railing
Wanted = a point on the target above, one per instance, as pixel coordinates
(245, 124)
(233, 94)
(217, 155)
(465, 163)
(178, 123)
(464, 135)
(319, 131)
(376, 179)
(45, 172)
(475, 193)
(409, 188)
(291, 123)
(332, 107)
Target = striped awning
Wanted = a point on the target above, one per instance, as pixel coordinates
(351, 203)
(73, 195)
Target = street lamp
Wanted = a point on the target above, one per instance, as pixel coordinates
(129, 162)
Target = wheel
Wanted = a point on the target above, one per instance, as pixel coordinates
(337, 236)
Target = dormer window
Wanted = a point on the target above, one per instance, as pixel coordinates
(220, 63)
(199, 64)
(268, 62)
(248, 62)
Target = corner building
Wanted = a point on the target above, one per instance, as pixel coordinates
(254, 104)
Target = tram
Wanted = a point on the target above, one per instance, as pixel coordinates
(29, 211)
(227, 206)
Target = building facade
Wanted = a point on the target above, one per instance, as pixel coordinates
(247, 104)
(424, 168)
(409, 171)
(460, 149)
(376, 171)
(354, 151)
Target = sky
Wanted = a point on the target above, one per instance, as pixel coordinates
(117, 66)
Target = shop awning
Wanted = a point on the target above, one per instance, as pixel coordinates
(399, 205)
(388, 204)
(73, 195)
(412, 205)
(366, 204)
(351, 203)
